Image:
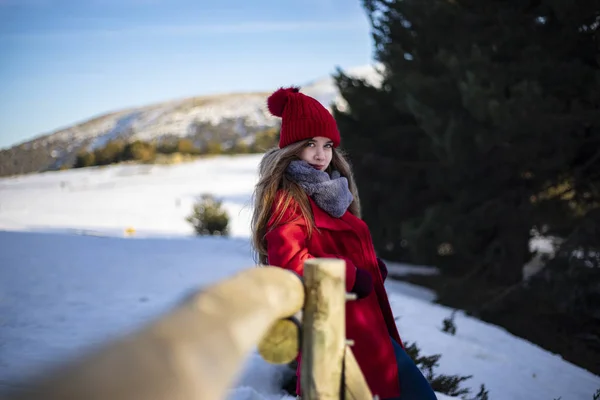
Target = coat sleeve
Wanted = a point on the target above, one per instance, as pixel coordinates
(287, 248)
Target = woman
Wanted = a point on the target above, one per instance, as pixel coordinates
(307, 206)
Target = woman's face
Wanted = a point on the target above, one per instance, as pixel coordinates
(318, 152)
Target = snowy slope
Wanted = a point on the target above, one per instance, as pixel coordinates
(175, 117)
(235, 116)
(62, 290)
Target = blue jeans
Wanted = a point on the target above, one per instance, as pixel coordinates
(413, 385)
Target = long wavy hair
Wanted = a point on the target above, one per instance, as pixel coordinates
(271, 178)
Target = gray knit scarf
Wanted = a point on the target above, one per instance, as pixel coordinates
(331, 193)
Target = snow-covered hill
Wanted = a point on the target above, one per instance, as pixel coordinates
(243, 113)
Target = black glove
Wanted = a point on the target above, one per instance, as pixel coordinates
(363, 285)
(382, 268)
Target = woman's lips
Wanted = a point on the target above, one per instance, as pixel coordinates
(316, 166)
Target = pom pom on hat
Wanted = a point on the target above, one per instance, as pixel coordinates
(277, 101)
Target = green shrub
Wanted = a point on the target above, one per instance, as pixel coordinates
(139, 151)
(84, 159)
(445, 384)
(186, 146)
(448, 324)
(208, 218)
(111, 153)
(213, 147)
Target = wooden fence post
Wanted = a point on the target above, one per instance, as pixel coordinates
(281, 344)
(194, 352)
(355, 385)
(323, 329)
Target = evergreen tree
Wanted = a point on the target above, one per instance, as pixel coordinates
(483, 107)
(484, 129)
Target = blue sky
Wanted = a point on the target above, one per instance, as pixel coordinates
(64, 61)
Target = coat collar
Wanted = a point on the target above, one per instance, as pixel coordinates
(326, 221)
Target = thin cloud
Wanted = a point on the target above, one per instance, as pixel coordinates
(126, 2)
(35, 3)
(194, 30)
(24, 3)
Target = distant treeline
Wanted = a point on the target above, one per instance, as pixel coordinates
(120, 150)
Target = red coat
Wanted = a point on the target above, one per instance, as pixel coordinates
(369, 321)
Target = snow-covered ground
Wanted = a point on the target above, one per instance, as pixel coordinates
(71, 278)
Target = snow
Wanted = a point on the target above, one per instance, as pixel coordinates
(111, 199)
(71, 278)
(325, 89)
(120, 129)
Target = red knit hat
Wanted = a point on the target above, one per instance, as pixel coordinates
(302, 117)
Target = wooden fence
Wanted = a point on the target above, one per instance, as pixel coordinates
(196, 351)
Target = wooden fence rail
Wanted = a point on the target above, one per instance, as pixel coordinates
(197, 350)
